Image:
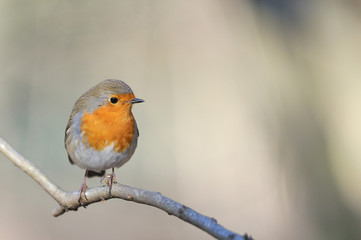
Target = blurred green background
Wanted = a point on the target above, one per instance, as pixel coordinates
(252, 114)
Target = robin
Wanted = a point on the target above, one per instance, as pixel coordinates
(102, 132)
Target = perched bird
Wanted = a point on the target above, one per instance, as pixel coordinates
(101, 132)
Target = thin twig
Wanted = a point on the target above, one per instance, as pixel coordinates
(69, 200)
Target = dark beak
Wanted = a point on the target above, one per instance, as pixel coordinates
(136, 100)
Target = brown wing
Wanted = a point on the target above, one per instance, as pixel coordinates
(66, 137)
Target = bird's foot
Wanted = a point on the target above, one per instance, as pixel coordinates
(83, 189)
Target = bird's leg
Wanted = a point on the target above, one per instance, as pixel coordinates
(112, 179)
(109, 179)
(83, 188)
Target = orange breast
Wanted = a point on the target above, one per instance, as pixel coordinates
(111, 123)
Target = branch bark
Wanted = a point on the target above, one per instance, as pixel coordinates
(69, 200)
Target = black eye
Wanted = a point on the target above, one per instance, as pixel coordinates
(113, 100)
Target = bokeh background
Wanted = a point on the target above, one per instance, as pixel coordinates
(252, 114)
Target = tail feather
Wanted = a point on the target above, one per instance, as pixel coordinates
(97, 174)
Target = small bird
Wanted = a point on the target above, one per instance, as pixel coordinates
(102, 132)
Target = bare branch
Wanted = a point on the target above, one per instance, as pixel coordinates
(69, 200)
